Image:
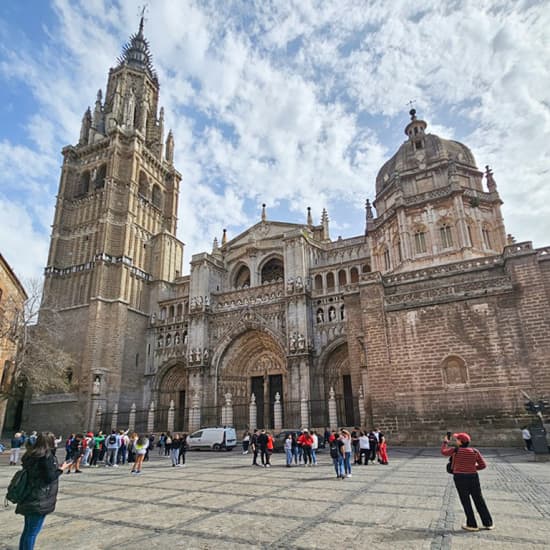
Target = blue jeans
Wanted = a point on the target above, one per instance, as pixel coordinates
(33, 524)
(288, 457)
(347, 463)
(314, 455)
(339, 465)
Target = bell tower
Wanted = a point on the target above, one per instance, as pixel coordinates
(113, 238)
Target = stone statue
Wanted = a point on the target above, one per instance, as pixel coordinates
(331, 314)
(228, 398)
(320, 316)
(292, 344)
(205, 355)
(290, 285)
(301, 342)
(252, 399)
(277, 397)
(206, 301)
(96, 389)
(299, 284)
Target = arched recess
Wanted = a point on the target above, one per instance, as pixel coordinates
(253, 362)
(242, 277)
(337, 375)
(272, 270)
(171, 385)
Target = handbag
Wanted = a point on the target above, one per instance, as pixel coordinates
(450, 462)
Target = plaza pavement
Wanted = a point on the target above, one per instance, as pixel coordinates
(218, 500)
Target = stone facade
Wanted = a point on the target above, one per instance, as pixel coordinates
(431, 319)
(12, 300)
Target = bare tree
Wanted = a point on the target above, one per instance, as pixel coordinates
(40, 363)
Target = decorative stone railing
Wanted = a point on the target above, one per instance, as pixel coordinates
(256, 295)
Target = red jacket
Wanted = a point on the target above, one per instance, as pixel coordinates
(466, 460)
(305, 439)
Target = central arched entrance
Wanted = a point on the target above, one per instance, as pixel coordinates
(254, 363)
(338, 376)
(172, 387)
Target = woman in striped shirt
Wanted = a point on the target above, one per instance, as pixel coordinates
(466, 462)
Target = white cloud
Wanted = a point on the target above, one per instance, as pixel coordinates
(298, 103)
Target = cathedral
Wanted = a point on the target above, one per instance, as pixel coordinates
(430, 319)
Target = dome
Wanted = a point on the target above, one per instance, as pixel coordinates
(422, 151)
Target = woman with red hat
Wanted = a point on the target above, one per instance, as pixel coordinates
(466, 462)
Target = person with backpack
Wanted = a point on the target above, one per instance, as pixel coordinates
(466, 462)
(183, 449)
(336, 448)
(40, 495)
(112, 443)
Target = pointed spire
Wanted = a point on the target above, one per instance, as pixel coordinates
(264, 217)
(324, 223)
(491, 183)
(169, 152)
(136, 54)
(224, 237)
(309, 217)
(215, 245)
(85, 127)
(368, 208)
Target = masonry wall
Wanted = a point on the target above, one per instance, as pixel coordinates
(502, 336)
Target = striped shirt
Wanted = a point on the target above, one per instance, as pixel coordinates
(466, 460)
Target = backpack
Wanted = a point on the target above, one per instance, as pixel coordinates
(19, 488)
(112, 439)
(334, 451)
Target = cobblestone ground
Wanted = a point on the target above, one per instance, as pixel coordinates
(218, 500)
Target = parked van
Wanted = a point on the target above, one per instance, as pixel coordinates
(213, 438)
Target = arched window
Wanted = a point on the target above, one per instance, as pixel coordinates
(168, 340)
(243, 277)
(342, 278)
(366, 268)
(331, 313)
(171, 312)
(320, 315)
(420, 242)
(100, 176)
(177, 339)
(397, 245)
(184, 336)
(273, 270)
(446, 236)
(387, 260)
(160, 341)
(163, 314)
(318, 282)
(354, 275)
(156, 197)
(179, 312)
(330, 280)
(342, 312)
(143, 186)
(84, 184)
(454, 370)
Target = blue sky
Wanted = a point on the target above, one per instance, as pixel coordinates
(291, 103)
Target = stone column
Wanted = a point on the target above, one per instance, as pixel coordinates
(170, 423)
(151, 418)
(195, 413)
(132, 419)
(98, 418)
(277, 413)
(227, 411)
(114, 420)
(362, 416)
(304, 411)
(252, 413)
(332, 414)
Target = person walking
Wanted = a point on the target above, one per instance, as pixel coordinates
(175, 450)
(466, 462)
(336, 447)
(314, 447)
(183, 449)
(140, 447)
(268, 450)
(255, 447)
(383, 451)
(246, 442)
(43, 473)
(288, 450)
(527, 441)
(262, 445)
(16, 444)
(346, 439)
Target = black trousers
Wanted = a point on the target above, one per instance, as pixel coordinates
(467, 485)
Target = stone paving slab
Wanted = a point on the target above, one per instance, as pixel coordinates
(221, 499)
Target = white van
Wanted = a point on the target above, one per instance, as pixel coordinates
(213, 438)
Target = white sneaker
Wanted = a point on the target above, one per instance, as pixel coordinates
(348, 475)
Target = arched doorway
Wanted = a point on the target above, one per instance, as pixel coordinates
(172, 387)
(253, 363)
(337, 375)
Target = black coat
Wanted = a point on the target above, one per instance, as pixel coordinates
(43, 477)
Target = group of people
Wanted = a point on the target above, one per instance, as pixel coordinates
(261, 444)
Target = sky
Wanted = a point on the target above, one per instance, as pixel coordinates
(287, 103)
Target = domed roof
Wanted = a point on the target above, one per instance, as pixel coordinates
(420, 152)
